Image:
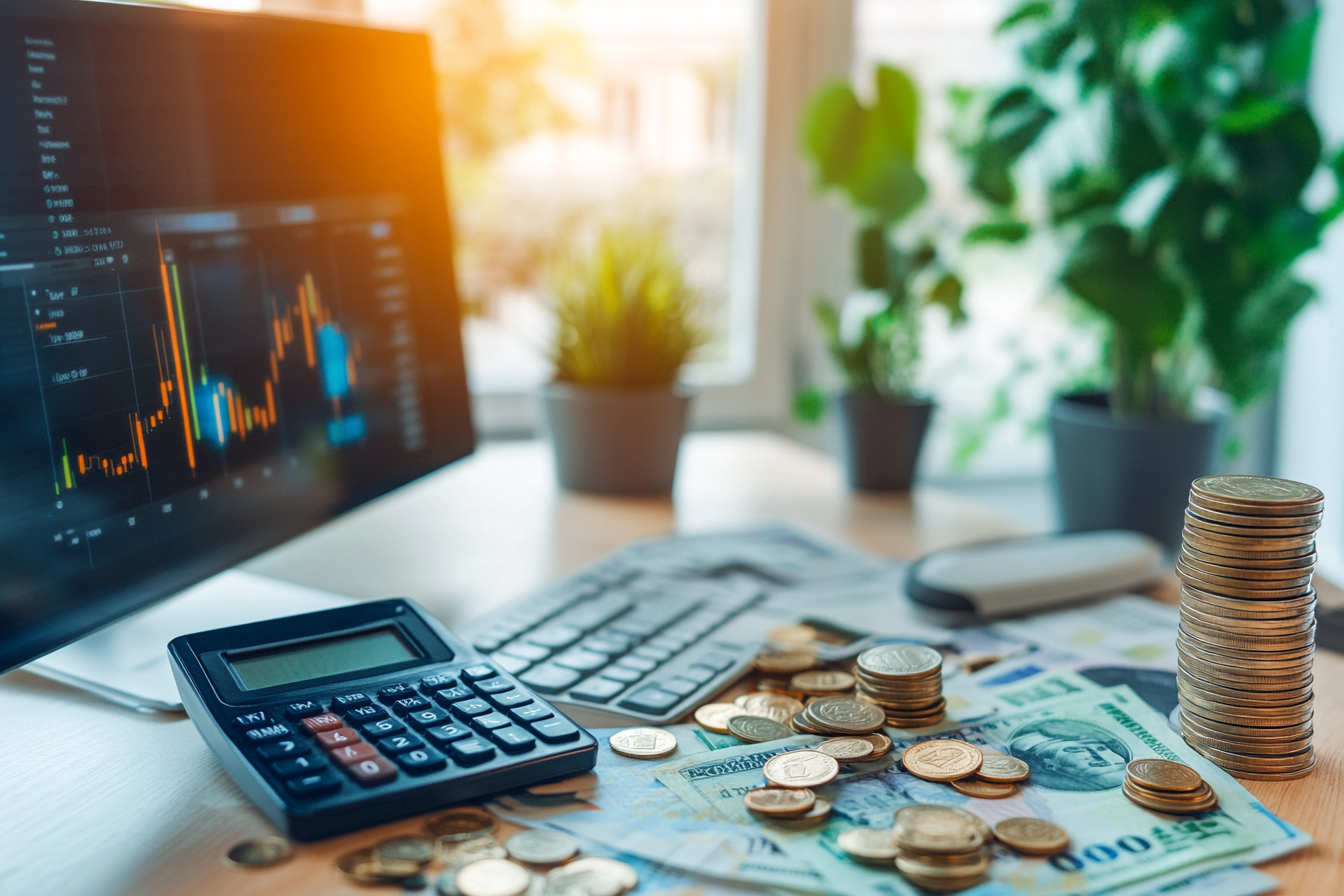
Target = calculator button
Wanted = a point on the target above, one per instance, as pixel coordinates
(480, 670)
(252, 720)
(468, 708)
(443, 735)
(269, 733)
(418, 762)
(396, 692)
(352, 753)
(361, 714)
(383, 728)
(514, 697)
(314, 785)
(325, 722)
(554, 731)
(490, 721)
(279, 748)
(428, 718)
(449, 696)
(513, 740)
(492, 685)
(337, 738)
(532, 712)
(436, 683)
(302, 709)
(471, 751)
(344, 702)
(372, 771)
(299, 765)
(409, 704)
(400, 743)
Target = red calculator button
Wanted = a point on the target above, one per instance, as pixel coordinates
(337, 738)
(352, 753)
(324, 722)
(372, 771)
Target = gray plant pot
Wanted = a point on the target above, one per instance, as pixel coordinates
(615, 441)
(882, 440)
(1126, 474)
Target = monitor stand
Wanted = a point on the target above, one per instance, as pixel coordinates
(127, 661)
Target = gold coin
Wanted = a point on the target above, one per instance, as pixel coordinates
(1032, 836)
(610, 869)
(822, 681)
(464, 823)
(1241, 709)
(1256, 493)
(1163, 774)
(1217, 527)
(1169, 806)
(259, 852)
(757, 729)
(844, 715)
(769, 706)
(793, 634)
(820, 812)
(1256, 760)
(408, 848)
(1204, 510)
(1251, 564)
(1245, 733)
(900, 661)
(1232, 569)
(643, 743)
(980, 825)
(714, 716)
(1297, 623)
(1245, 745)
(493, 877)
(784, 801)
(1002, 769)
(961, 874)
(1253, 608)
(984, 790)
(362, 866)
(1227, 589)
(937, 829)
(1246, 697)
(1244, 719)
(1274, 776)
(914, 724)
(785, 662)
(881, 743)
(846, 749)
(876, 845)
(1191, 573)
(1206, 544)
(801, 768)
(942, 760)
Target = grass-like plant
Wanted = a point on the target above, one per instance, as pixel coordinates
(625, 314)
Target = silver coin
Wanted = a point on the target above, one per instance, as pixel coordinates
(757, 730)
(900, 660)
(541, 847)
(259, 852)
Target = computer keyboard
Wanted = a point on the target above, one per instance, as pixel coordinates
(647, 633)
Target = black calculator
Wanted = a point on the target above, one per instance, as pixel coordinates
(346, 718)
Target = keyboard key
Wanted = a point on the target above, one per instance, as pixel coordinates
(611, 645)
(400, 743)
(555, 731)
(448, 696)
(298, 765)
(338, 738)
(428, 718)
(372, 771)
(442, 735)
(352, 753)
(699, 674)
(277, 731)
(532, 712)
(515, 697)
(302, 709)
(582, 660)
(314, 785)
(325, 722)
(252, 720)
(622, 673)
(409, 704)
(492, 685)
(478, 671)
(682, 687)
(668, 642)
(532, 652)
(549, 679)
(718, 661)
(383, 728)
(471, 751)
(434, 683)
(342, 702)
(556, 637)
(468, 708)
(510, 664)
(654, 701)
(638, 663)
(396, 692)
(362, 714)
(657, 654)
(419, 762)
(490, 721)
(278, 748)
(513, 740)
(597, 690)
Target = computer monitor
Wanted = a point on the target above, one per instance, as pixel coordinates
(227, 310)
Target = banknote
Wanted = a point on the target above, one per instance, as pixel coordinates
(1077, 749)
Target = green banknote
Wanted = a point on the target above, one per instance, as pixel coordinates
(1077, 749)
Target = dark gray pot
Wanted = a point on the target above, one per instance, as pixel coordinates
(882, 440)
(1126, 474)
(615, 441)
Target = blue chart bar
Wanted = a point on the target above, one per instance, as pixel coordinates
(347, 429)
(334, 350)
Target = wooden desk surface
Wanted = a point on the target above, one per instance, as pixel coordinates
(98, 800)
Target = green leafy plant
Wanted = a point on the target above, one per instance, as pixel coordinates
(867, 153)
(625, 315)
(1188, 147)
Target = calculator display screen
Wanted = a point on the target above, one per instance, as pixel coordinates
(341, 655)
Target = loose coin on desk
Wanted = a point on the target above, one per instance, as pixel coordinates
(984, 790)
(942, 760)
(595, 868)
(363, 867)
(1032, 836)
(463, 823)
(714, 716)
(643, 743)
(779, 800)
(1163, 774)
(757, 730)
(801, 768)
(493, 877)
(846, 749)
(259, 852)
(409, 848)
(874, 845)
(539, 847)
(1003, 769)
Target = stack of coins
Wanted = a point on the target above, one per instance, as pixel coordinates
(789, 799)
(1248, 623)
(1170, 787)
(966, 768)
(906, 681)
(938, 849)
(840, 716)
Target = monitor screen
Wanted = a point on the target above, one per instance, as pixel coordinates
(227, 310)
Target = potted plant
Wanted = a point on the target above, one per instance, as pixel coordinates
(1181, 148)
(867, 153)
(625, 322)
